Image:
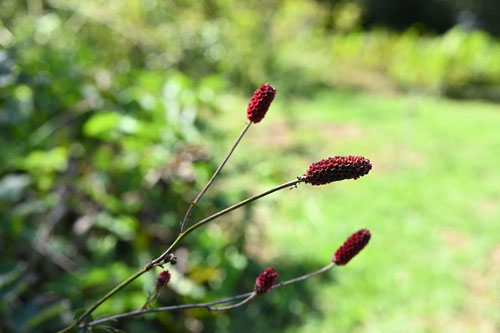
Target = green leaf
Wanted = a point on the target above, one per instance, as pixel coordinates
(102, 125)
(124, 226)
(110, 125)
(39, 161)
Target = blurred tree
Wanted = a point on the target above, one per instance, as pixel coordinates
(435, 16)
(483, 14)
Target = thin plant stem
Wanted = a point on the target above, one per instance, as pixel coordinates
(104, 298)
(229, 307)
(246, 296)
(150, 299)
(166, 308)
(189, 211)
(112, 292)
(306, 276)
(159, 261)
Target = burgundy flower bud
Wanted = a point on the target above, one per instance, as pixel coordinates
(162, 279)
(260, 102)
(337, 168)
(265, 281)
(351, 247)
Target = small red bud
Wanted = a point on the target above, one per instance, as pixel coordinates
(265, 281)
(351, 247)
(162, 279)
(337, 168)
(260, 102)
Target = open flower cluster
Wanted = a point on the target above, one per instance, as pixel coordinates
(260, 102)
(337, 168)
(265, 281)
(351, 247)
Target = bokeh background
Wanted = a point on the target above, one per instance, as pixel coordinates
(114, 114)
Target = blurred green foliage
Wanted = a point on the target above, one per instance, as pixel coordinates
(114, 114)
(458, 63)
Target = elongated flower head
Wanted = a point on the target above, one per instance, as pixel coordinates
(351, 247)
(260, 102)
(162, 279)
(337, 168)
(265, 281)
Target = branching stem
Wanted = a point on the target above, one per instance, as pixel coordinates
(189, 211)
(247, 297)
(229, 307)
(160, 260)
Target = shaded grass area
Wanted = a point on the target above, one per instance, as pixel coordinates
(431, 202)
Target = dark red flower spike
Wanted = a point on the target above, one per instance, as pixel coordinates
(352, 246)
(162, 279)
(265, 281)
(260, 102)
(337, 168)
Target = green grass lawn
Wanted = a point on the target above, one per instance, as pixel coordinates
(431, 201)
